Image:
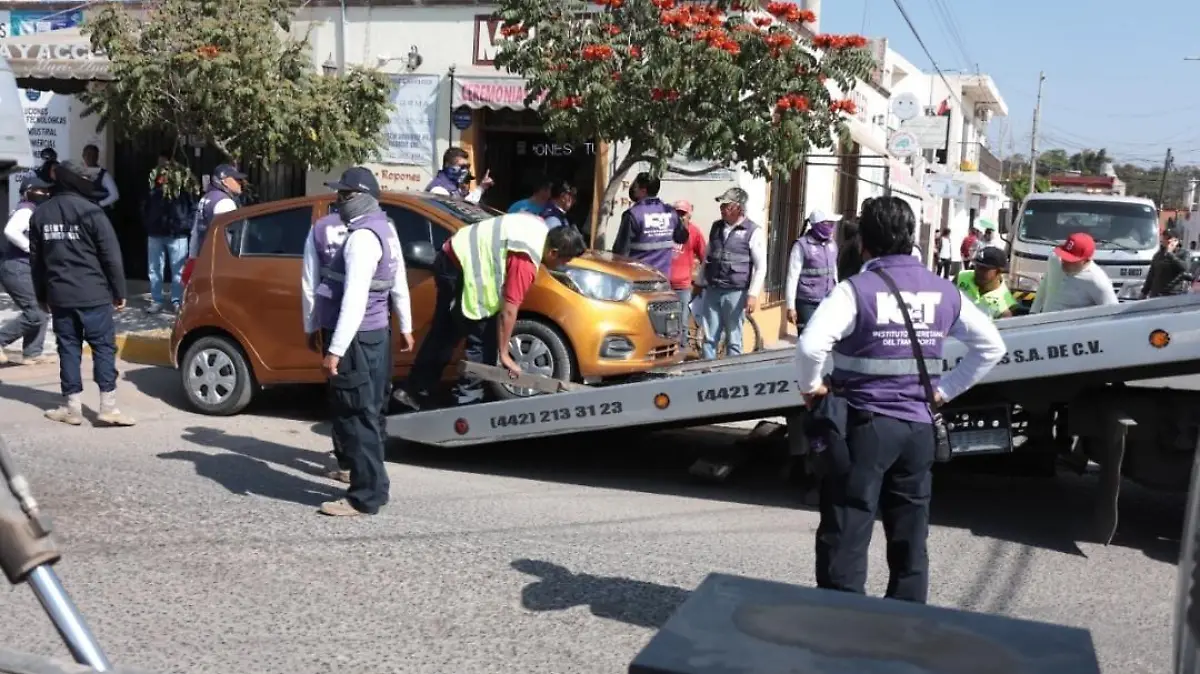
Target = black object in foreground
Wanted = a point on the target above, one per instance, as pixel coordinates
(27, 553)
(736, 625)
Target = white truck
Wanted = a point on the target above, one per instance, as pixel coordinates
(1125, 229)
(1074, 362)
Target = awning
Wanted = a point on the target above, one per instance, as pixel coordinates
(496, 93)
(979, 183)
(54, 59)
(861, 133)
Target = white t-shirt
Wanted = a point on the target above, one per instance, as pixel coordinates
(1059, 291)
(944, 251)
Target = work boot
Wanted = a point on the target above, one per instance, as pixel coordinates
(70, 413)
(338, 475)
(110, 414)
(340, 508)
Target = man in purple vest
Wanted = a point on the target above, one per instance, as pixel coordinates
(650, 229)
(735, 270)
(16, 276)
(455, 176)
(224, 195)
(888, 429)
(353, 278)
(812, 268)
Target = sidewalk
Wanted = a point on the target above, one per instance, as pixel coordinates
(141, 337)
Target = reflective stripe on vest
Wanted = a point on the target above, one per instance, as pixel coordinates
(328, 274)
(885, 367)
(661, 245)
(816, 271)
(482, 251)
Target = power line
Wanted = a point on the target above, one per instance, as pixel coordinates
(932, 61)
(951, 29)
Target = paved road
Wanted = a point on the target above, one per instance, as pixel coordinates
(192, 546)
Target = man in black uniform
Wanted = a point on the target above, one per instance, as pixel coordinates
(1169, 270)
(79, 278)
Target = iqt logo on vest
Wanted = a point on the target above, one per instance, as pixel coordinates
(922, 308)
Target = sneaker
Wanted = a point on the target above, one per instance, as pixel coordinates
(65, 415)
(401, 396)
(114, 417)
(41, 359)
(154, 308)
(340, 508)
(338, 475)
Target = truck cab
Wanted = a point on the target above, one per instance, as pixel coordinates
(1125, 229)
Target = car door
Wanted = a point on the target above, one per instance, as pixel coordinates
(413, 226)
(260, 291)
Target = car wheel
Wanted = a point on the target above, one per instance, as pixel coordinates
(216, 378)
(538, 349)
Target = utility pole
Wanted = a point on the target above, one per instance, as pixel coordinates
(1033, 151)
(1162, 184)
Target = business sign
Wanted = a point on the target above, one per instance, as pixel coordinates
(488, 36)
(903, 144)
(929, 131)
(48, 119)
(28, 22)
(5, 23)
(410, 128)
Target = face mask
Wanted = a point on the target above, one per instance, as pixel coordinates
(822, 230)
(458, 174)
(36, 197)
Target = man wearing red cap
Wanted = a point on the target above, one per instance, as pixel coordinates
(683, 264)
(1072, 280)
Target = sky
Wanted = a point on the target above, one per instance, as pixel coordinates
(1116, 77)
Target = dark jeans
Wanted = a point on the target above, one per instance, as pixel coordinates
(447, 329)
(942, 268)
(358, 398)
(73, 327)
(30, 326)
(685, 298)
(804, 313)
(890, 471)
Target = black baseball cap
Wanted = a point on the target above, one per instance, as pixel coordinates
(356, 179)
(992, 258)
(48, 154)
(224, 171)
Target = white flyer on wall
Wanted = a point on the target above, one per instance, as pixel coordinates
(410, 129)
(48, 119)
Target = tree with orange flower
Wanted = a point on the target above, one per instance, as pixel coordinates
(732, 82)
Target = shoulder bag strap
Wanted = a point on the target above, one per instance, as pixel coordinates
(926, 383)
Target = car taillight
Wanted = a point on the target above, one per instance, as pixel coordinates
(186, 275)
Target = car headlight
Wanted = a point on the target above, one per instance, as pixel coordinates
(1131, 291)
(594, 284)
(1021, 282)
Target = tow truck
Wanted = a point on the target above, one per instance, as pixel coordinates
(1075, 362)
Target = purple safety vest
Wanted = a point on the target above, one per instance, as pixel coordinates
(329, 235)
(728, 264)
(818, 276)
(873, 367)
(11, 252)
(207, 211)
(652, 237)
(443, 181)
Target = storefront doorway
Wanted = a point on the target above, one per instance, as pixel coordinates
(518, 152)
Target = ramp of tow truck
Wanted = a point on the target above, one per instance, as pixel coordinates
(1108, 342)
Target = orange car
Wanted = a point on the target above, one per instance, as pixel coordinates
(240, 327)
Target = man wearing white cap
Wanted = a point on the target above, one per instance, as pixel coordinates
(812, 268)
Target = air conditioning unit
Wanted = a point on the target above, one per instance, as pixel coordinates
(983, 115)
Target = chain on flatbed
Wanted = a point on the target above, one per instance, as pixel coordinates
(1114, 343)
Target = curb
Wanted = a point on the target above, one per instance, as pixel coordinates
(149, 347)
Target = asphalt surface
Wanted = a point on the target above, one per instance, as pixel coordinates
(192, 545)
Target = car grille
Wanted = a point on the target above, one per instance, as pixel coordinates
(666, 317)
(650, 287)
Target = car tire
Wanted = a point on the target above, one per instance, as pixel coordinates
(230, 386)
(543, 344)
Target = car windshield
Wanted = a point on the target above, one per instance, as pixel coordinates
(464, 210)
(1113, 225)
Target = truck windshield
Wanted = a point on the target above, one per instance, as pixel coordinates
(1114, 225)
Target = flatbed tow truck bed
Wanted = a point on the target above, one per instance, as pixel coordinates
(1092, 347)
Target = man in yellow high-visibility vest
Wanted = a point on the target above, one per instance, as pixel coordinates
(482, 274)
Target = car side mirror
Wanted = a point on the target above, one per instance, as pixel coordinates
(418, 254)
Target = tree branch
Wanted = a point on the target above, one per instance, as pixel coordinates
(693, 173)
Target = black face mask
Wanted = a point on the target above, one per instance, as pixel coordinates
(36, 196)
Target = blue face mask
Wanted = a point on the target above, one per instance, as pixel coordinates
(457, 173)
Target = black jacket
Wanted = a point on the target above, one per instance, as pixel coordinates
(168, 217)
(74, 255)
(1168, 274)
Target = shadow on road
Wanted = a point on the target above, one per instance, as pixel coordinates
(1048, 513)
(302, 403)
(633, 602)
(246, 467)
